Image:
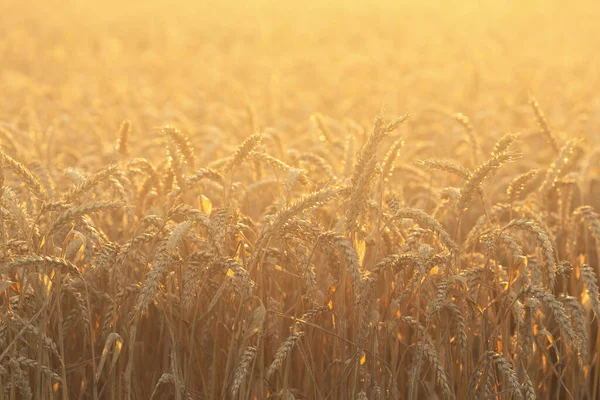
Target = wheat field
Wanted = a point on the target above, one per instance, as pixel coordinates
(319, 200)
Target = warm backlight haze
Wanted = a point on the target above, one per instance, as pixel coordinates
(328, 200)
